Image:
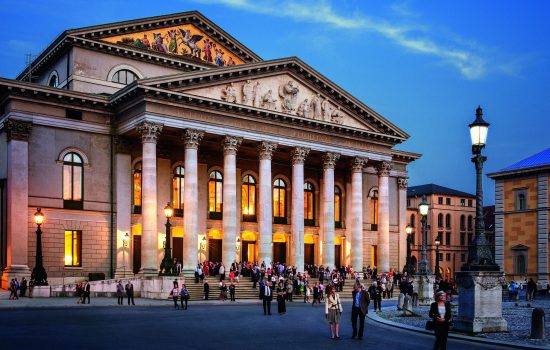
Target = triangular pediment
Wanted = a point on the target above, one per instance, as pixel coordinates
(286, 86)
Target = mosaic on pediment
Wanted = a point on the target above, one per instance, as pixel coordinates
(281, 93)
(183, 40)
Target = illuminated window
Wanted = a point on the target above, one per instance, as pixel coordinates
(73, 248)
(309, 204)
(178, 184)
(124, 76)
(337, 207)
(248, 194)
(72, 181)
(215, 185)
(374, 210)
(279, 201)
(136, 188)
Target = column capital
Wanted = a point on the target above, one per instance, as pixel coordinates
(122, 144)
(299, 155)
(149, 131)
(384, 168)
(231, 144)
(192, 138)
(330, 159)
(357, 164)
(266, 149)
(403, 183)
(18, 130)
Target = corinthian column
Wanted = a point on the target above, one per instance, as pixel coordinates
(384, 216)
(329, 161)
(149, 135)
(191, 139)
(299, 155)
(265, 219)
(402, 183)
(123, 169)
(357, 213)
(230, 146)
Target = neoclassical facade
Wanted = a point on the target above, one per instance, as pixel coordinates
(261, 160)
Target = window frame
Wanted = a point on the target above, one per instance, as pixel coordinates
(116, 76)
(520, 193)
(248, 184)
(78, 237)
(136, 209)
(309, 188)
(440, 220)
(374, 207)
(279, 219)
(72, 203)
(180, 178)
(215, 215)
(338, 193)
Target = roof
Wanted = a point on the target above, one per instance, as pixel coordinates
(539, 159)
(429, 189)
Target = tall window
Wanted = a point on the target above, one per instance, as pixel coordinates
(462, 238)
(279, 201)
(124, 76)
(520, 264)
(309, 204)
(439, 200)
(337, 207)
(470, 223)
(440, 220)
(73, 248)
(54, 81)
(72, 181)
(448, 201)
(374, 210)
(136, 188)
(178, 184)
(248, 194)
(462, 223)
(413, 220)
(521, 199)
(448, 220)
(462, 202)
(215, 201)
(447, 239)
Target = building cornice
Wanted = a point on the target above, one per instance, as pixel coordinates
(519, 172)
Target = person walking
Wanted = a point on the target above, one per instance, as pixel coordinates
(119, 292)
(531, 289)
(175, 294)
(86, 292)
(130, 292)
(359, 309)
(23, 287)
(281, 306)
(333, 312)
(223, 291)
(206, 289)
(440, 313)
(375, 292)
(232, 291)
(184, 296)
(267, 296)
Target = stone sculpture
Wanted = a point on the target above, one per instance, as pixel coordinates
(257, 92)
(327, 110)
(337, 116)
(316, 107)
(229, 94)
(269, 101)
(289, 94)
(303, 109)
(248, 93)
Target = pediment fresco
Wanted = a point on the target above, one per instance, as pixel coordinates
(282, 93)
(184, 40)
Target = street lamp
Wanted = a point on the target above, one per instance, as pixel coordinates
(480, 257)
(423, 267)
(167, 267)
(39, 277)
(437, 243)
(408, 263)
(125, 241)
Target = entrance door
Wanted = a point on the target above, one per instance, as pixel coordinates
(279, 252)
(177, 248)
(215, 250)
(248, 251)
(309, 253)
(337, 255)
(137, 254)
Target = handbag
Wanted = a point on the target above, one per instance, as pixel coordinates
(430, 325)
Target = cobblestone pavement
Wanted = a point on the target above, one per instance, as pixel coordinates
(518, 318)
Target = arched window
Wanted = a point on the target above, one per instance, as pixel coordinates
(215, 186)
(178, 184)
(73, 176)
(136, 188)
(470, 223)
(279, 201)
(54, 81)
(309, 204)
(413, 220)
(374, 210)
(448, 220)
(462, 223)
(248, 195)
(124, 76)
(440, 220)
(337, 207)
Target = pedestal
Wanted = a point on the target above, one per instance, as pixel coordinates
(423, 286)
(480, 302)
(41, 292)
(15, 271)
(158, 287)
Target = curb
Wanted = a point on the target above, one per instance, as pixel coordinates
(467, 338)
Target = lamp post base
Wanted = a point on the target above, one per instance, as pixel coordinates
(423, 285)
(480, 302)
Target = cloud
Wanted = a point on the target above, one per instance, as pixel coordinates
(459, 54)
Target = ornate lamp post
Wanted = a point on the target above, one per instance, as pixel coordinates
(125, 241)
(437, 272)
(423, 267)
(480, 280)
(167, 265)
(423, 279)
(39, 277)
(408, 264)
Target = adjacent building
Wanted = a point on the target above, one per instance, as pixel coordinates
(521, 218)
(262, 160)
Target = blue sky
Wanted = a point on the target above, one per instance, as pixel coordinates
(424, 65)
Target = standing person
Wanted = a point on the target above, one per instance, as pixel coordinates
(531, 289)
(130, 292)
(267, 296)
(206, 289)
(232, 291)
(333, 312)
(375, 292)
(175, 294)
(440, 313)
(315, 294)
(119, 292)
(86, 292)
(184, 296)
(289, 291)
(223, 291)
(79, 289)
(31, 288)
(359, 309)
(222, 272)
(281, 306)
(23, 287)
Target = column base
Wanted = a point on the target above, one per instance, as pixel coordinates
(423, 286)
(480, 302)
(148, 272)
(123, 273)
(15, 271)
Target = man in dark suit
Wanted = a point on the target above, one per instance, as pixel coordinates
(206, 290)
(86, 292)
(267, 297)
(130, 292)
(360, 308)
